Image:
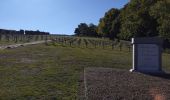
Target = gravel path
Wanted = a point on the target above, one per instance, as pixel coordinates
(22, 44)
(116, 84)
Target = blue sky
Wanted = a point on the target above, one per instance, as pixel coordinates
(54, 16)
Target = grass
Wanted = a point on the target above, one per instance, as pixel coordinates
(53, 72)
(4, 43)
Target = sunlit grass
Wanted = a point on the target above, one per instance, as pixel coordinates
(52, 72)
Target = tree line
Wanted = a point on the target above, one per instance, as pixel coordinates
(138, 18)
(86, 30)
(22, 32)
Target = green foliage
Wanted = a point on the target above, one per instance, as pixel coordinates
(86, 30)
(109, 24)
(136, 20)
(161, 12)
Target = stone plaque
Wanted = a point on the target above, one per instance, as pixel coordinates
(147, 55)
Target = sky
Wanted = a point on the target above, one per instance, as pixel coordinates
(54, 16)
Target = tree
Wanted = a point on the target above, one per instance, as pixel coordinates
(92, 30)
(136, 20)
(109, 25)
(161, 12)
(81, 30)
(86, 30)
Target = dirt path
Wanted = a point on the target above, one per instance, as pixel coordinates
(21, 44)
(116, 84)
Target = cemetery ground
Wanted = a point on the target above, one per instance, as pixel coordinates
(56, 72)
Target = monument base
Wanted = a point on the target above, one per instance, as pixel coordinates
(132, 70)
(148, 71)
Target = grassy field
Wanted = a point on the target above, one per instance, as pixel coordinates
(53, 72)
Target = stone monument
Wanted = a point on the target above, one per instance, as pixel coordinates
(147, 55)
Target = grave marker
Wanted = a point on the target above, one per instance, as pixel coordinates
(147, 55)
